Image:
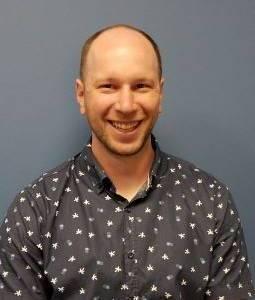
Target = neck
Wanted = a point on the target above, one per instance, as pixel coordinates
(125, 171)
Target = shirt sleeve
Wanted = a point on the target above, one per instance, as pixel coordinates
(21, 259)
(229, 278)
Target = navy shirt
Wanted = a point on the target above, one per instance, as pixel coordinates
(69, 235)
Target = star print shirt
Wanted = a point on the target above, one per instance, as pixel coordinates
(69, 235)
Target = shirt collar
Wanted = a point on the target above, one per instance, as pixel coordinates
(99, 178)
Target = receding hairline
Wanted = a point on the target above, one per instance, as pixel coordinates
(88, 43)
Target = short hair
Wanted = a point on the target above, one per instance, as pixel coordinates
(87, 44)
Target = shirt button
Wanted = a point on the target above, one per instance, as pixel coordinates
(127, 210)
(131, 255)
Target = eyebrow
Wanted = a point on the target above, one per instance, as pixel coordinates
(100, 80)
(111, 79)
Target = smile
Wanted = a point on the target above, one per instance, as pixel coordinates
(125, 126)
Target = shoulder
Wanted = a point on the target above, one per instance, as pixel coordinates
(207, 197)
(50, 180)
(192, 170)
(189, 178)
(38, 196)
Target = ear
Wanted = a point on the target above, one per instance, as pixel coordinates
(80, 95)
(161, 93)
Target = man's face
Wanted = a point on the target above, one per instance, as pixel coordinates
(121, 93)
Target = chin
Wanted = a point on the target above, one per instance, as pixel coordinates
(126, 149)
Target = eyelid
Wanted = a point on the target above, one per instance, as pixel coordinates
(139, 85)
(143, 85)
(105, 85)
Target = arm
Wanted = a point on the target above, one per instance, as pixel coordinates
(230, 277)
(21, 255)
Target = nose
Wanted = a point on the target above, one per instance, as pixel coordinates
(125, 103)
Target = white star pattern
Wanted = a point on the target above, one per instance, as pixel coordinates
(24, 249)
(112, 253)
(81, 271)
(167, 295)
(107, 197)
(131, 219)
(151, 248)
(159, 217)
(18, 293)
(91, 234)
(226, 270)
(183, 282)
(210, 216)
(48, 235)
(54, 280)
(75, 231)
(30, 233)
(5, 273)
(109, 223)
(182, 235)
(165, 256)
(141, 235)
(124, 287)
(55, 245)
(75, 215)
(117, 269)
(72, 259)
(199, 203)
(210, 232)
(147, 210)
(192, 225)
(220, 259)
(154, 288)
(178, 207)
(78, 231)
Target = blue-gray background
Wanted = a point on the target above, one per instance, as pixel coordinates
(208, 50)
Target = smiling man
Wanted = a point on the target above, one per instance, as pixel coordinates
(122, 219)
(120, 92)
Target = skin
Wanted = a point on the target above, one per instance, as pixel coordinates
(121, 83)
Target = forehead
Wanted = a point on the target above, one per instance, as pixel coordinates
(120, 35)
(119, 47)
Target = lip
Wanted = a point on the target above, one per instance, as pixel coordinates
(126, 131)
(124, 121)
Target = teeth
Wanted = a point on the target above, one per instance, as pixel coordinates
(125, 125)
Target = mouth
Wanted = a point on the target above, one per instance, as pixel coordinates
(125, 126)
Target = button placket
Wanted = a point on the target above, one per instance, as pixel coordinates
(130, 252)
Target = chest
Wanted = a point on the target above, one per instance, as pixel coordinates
(109, 251)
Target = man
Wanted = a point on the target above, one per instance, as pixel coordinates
(122, 219)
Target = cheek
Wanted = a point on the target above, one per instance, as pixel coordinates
(151, 105)
(97, 108)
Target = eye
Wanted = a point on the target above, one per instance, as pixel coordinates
(106, 86)
(140, 85)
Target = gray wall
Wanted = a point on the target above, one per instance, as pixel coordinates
(208, 50)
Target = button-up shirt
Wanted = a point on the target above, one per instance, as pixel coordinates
(69, 235)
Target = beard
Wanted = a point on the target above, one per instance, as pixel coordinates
(106, 139)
